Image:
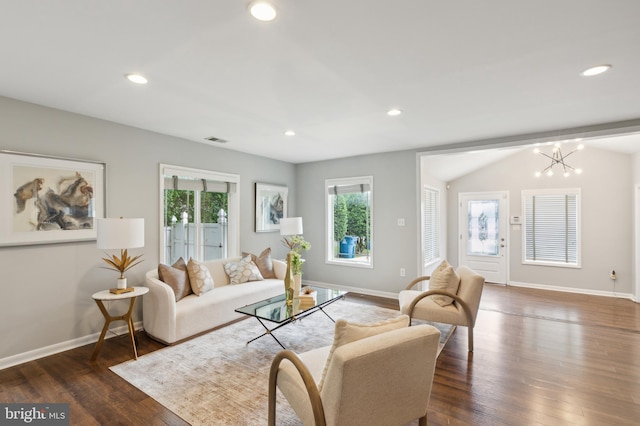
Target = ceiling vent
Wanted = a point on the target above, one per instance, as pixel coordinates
(216, 140)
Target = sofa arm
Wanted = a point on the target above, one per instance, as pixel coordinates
(279, 268)
(159, 309)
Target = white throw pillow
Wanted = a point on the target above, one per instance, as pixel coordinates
(445, 278)
(243, 271)
(199, 277)
(346, 332)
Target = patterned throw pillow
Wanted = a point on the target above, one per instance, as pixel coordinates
(200, 277)
(176, 277)
(445, 278)
(346, 332)
(263, 262)
(243, 271)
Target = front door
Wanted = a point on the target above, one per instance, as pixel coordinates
(483, 234)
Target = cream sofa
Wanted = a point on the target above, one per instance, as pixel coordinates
(169, 321)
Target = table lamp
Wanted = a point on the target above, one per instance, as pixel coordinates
(291, 226)
(123, 234)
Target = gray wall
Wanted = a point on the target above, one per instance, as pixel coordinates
(607, 217)
(394, 196)
(46, 289)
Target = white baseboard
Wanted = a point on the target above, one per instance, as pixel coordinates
(366, 291)
(63, 346)
(573, 290)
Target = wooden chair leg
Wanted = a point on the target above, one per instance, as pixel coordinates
(422, 421)
(470, 334)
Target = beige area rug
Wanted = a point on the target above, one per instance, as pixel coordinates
(217, 379)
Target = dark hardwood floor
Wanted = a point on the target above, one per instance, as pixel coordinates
(541, 358)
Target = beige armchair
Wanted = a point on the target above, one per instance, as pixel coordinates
(382, 379)
(462, 311)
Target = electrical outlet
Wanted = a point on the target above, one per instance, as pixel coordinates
(402, 272)
(612, 275)
(401, 221)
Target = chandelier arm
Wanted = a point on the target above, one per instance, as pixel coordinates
(548, 156)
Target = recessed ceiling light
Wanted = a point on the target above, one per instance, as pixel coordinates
(263, 11)
(290, 133)
(393, 112)
(589, 72)
(136, 78)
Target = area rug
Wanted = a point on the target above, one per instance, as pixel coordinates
(218, 379)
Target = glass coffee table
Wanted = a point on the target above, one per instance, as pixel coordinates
(276, 310)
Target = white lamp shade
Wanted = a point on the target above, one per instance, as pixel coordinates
(291, 226)
(117, 234)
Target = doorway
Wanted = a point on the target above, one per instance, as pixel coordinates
(483, 247)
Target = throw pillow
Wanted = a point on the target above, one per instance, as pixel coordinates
(200, 277)
(263, 262)
(445, 278)
(346, 332)
(176, 277)
(243, 271)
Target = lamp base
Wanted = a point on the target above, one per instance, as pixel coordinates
(122, 283)
(121, 290)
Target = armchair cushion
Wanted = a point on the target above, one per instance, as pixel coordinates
(176, 277)
(346, 332)
(444, 278)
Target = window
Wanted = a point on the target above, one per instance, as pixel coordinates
(551, 232)
(349, 221)
(199, 214)
(430, 225)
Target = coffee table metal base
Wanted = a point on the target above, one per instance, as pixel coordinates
(293, 318)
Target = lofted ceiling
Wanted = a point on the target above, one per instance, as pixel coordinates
(329, 70)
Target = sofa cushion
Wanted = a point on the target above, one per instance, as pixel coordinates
(445, 278)
(346, 332)
(263, 262)
(243, 271)
(199, 277)
(176, 277)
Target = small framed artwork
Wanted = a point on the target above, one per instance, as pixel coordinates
(271, 206)
(49, 200)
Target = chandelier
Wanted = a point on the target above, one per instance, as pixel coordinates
(559, 159)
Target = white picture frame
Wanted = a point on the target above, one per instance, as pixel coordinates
(48, 200)
(271, 206)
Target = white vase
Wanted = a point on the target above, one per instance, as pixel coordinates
(122, 283)
(297, 285)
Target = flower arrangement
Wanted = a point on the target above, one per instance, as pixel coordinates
(296, 244)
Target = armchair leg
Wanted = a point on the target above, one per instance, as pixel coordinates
(470, 334)
(422, 421)
(272, 407)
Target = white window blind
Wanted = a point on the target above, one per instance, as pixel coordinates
(431, 225)
(191, 184)
(551, 227)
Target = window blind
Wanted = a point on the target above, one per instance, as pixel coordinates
(551, 228)
(349, 189)
(190, 184)
(431, 225)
